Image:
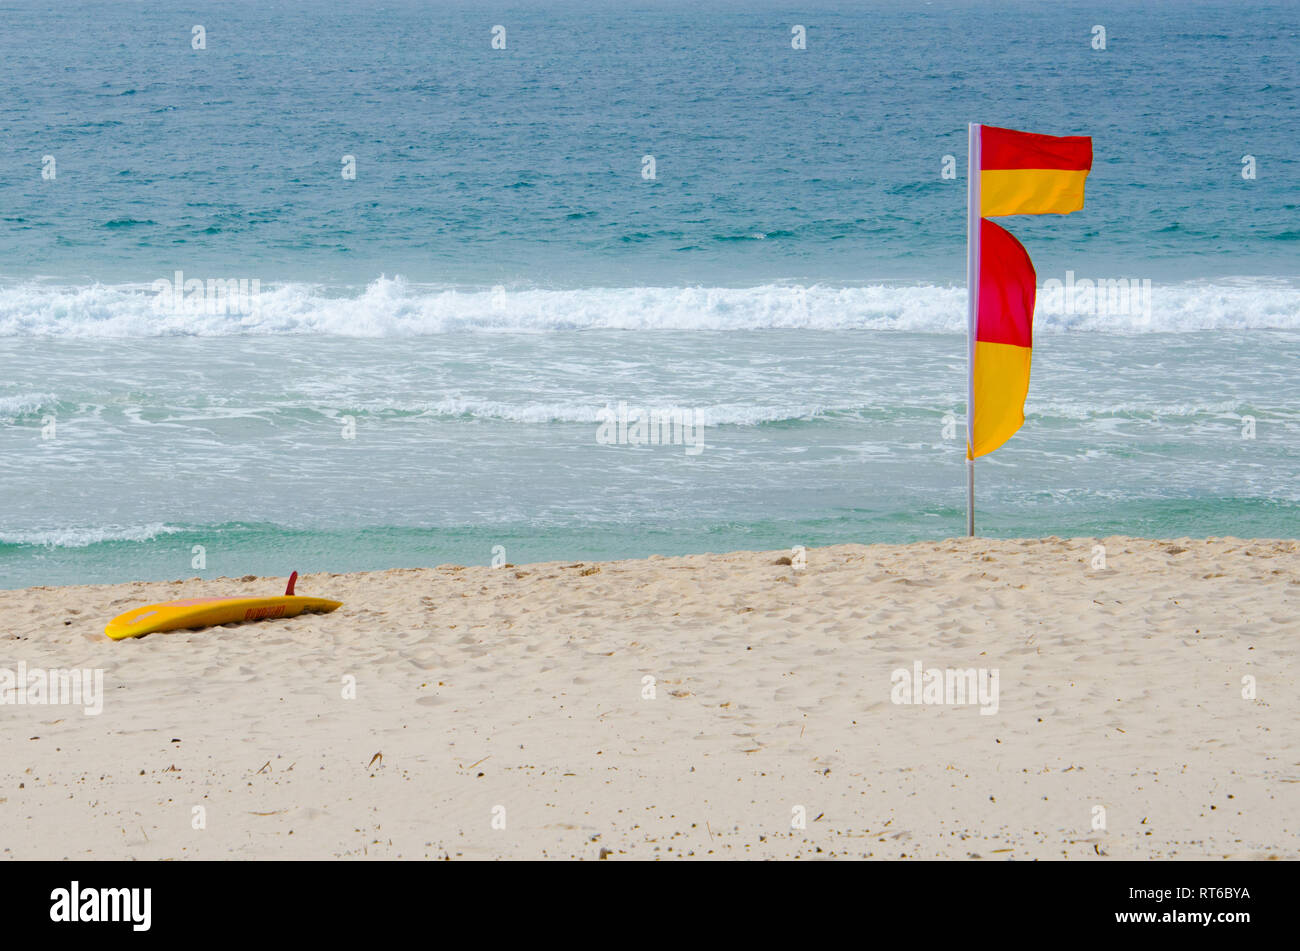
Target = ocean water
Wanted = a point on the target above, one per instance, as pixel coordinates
(417, 368)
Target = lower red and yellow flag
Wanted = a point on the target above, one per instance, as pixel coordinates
(1003, 339)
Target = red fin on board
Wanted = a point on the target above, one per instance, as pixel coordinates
(288, 591)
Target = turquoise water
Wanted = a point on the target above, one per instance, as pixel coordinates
(500, 271)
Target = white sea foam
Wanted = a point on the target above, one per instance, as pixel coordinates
(25, 404)
(84, 537)
(1222, 409)
(393, 307)
(728, 414)
(744, 415)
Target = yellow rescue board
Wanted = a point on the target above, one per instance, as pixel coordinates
(208, 612)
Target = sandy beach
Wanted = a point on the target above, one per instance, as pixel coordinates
(521, 697)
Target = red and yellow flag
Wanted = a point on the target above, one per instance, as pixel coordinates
(1003, 338)
(1022, 173)
(1013, 173)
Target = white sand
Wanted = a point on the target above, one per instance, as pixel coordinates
(522, 688)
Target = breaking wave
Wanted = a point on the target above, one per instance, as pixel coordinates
(393, 307)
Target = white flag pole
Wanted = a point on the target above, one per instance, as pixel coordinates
(972, 306)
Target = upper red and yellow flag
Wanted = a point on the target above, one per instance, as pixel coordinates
(1022, 173)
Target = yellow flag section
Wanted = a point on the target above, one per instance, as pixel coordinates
(1013, 173)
